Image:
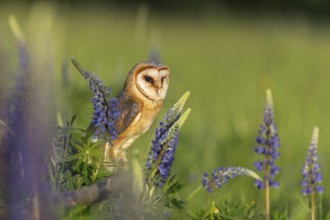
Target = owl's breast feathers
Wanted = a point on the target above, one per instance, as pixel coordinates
(136, 117)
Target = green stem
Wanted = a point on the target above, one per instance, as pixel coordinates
(194, 192)
(151, 191)
(313, 205)
(212, 211)
(267, 194)
(267, 188)
(66, 143)
(267, 174)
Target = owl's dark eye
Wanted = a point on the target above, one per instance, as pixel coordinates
(149, 79)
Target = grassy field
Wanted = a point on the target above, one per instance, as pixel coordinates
(226, 61)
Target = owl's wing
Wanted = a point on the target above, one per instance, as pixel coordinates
(129, 110)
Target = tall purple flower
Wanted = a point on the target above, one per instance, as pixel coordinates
(25, 145)
(105, 109)
(161, 155)
(268, 144)
(312, 177)
(222, 175)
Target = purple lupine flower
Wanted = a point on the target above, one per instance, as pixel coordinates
(105, 109)
(27, 139)
(161, 155)
(161, 136)
(222, 175)
(312, 178)
(268, 143)
(206, 182)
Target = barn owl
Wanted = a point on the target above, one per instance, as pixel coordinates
(138, 104)
(140, 101)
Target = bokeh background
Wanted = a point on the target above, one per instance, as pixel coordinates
(227, 53)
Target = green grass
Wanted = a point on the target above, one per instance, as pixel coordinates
(226, 62)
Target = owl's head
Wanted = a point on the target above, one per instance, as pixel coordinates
(151, 79)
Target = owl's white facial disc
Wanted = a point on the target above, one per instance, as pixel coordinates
(153, 82)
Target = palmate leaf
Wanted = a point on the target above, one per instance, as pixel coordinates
(171, 187)
(69, 181)
(174, 203)
(77, 160)
(197, 214)
(65, 138)
(228, 211)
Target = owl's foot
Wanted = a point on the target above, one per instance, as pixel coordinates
(115, 159)
(115, 167)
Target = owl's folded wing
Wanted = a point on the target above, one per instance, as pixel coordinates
(129, 110)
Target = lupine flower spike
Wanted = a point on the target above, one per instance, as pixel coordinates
(24, 146)
(164, 144)
(105, 109)
(312, 178)
(222, 175)
(268, 144)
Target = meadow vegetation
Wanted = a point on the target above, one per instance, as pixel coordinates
(226, 61)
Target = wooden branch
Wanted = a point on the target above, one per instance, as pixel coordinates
(97, 191)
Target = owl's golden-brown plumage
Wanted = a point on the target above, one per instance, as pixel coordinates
(140, 101)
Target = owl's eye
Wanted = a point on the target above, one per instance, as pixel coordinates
(149, 79)
(163, 78)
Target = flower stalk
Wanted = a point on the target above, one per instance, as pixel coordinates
(222, 175)
(312, 177)
(105, 109)
(161, 155)
(268, 144)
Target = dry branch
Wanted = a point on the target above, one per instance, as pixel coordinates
(97, 191)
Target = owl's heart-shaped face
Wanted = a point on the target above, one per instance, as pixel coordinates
(153, 82)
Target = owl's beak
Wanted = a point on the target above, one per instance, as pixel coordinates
(158, 91)
(158, 84)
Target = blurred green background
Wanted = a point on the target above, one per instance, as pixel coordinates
(226, 55)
